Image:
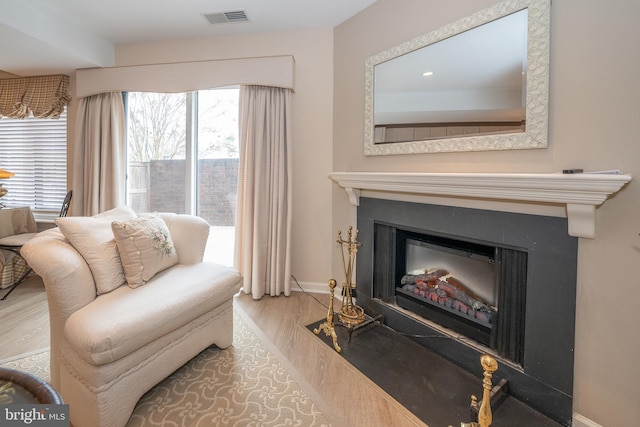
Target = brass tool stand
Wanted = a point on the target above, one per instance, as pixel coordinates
(327, 326)
(369, 321)
(349, 314)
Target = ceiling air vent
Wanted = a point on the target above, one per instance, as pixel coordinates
(226, 17)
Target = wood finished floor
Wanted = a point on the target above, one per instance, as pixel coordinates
(24, 320)
(341, 392)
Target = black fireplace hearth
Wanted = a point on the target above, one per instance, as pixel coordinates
(532, 290)
(432, 388)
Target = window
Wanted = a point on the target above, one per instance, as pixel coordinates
(36, 151)
(183, 158)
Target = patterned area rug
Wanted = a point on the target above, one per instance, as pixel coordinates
(243, 385)
(35, 363)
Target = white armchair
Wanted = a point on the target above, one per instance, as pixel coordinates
(109, 348)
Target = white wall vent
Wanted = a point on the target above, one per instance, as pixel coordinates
(226, 17)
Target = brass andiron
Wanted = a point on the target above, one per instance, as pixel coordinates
(485, 417)
(327, 326)
(350, 314)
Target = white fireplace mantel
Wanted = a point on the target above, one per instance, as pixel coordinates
(580, 193)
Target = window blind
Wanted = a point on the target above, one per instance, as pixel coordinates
(35, 150)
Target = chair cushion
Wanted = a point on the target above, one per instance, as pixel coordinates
(122, 321)
(145, 247)
(93, 238)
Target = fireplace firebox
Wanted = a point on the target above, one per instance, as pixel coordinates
(458, 284)
(463, 281)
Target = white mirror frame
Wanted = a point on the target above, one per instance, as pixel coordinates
(537, 92)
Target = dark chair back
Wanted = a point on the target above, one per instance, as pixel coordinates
(65, 204)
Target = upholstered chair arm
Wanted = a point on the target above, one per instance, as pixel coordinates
(66, 275)
(189, 234)
(68, 282)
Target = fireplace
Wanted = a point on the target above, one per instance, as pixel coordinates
(514, 276)
(458, 284)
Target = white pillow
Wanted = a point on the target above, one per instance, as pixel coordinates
(145, 248)
(93, 238)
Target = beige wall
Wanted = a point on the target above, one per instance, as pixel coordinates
(594, 110)
(312, 111)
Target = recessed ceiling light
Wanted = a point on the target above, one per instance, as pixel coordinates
(427, 73)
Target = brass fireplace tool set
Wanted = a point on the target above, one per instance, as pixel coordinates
(350, 315)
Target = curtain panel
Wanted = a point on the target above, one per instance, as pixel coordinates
(40, 96)
(99, 154)
(263, 214)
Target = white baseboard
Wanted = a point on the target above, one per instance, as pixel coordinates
(314, 287)
(582, 421)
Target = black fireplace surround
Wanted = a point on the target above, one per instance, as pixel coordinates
(543, 376)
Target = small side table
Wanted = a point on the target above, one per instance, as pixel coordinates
(23, 388)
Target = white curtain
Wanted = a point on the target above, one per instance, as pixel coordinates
(99, 154)
(263, 219)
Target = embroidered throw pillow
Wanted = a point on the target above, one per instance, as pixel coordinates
(92, 237)
(145, 248)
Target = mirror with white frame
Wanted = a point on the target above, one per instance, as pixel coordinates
(480, 83)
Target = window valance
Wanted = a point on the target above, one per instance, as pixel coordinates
(275, 71)
(42, 96)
